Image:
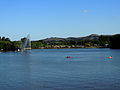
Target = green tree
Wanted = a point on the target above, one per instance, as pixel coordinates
(3, 38)
(115, 41)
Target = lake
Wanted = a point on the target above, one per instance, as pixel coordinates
(49, 69)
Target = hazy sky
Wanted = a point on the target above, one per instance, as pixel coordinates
(58, 18)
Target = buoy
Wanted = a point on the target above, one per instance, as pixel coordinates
(110, 57)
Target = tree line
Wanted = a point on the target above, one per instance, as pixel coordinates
(7, 45)
(105, 41)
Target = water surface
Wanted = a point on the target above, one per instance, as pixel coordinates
(48, 69)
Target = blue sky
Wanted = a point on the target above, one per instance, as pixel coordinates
(58, 18)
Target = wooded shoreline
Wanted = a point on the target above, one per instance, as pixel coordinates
(91, 41)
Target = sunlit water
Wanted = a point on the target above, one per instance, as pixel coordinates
(48, 69)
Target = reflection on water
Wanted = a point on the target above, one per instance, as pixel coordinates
(48, 69)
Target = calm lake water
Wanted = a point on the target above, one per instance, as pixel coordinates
(48, 69)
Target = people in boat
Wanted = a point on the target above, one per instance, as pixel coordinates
(110, 57)
(68, 57)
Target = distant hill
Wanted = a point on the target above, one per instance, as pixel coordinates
(90, 41)
(90, 37)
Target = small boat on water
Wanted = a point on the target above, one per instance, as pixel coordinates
(110, 57)
(68, 57)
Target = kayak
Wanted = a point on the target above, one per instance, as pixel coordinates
(110, 57)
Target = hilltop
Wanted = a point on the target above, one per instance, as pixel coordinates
(90, 41)
(90, 37)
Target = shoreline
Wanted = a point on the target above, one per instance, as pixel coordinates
(55, 48)
(69, 47)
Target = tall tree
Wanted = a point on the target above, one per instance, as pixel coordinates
(3, 38)
(115, 41)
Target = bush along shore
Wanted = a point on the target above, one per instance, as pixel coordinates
(91, 41)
